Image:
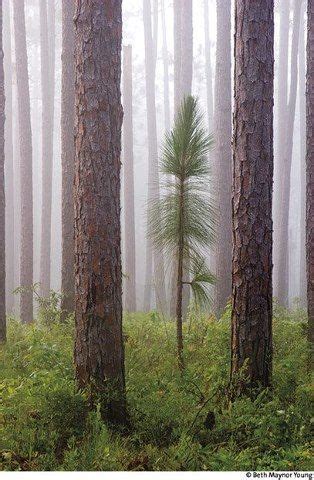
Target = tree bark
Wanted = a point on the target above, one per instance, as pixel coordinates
(223, 156)
(67, 157)
(283, 259)
(153, 173)
(129, 213)
(9, 171)
(47, 64)
(2, 191)
(99, 353)
(302, 125)
(252, 192)
(310, 171)
(26, 177)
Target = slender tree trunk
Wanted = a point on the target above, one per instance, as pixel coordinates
(179, 305)
(129, 213)
(177, 22)
(165, 57)
(2, 194)
(47, 149)
(302, 125)
(153, 174)
(209, 79)
(310, 171)
(252, 191)
(25, 137)
(99, 352)
(280, 131)
(283, 260)
(8, 144)
(223, 155)
(67, 157)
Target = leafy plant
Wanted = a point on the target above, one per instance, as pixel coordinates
(182, 220)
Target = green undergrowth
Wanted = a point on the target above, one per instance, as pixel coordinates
(178, 422)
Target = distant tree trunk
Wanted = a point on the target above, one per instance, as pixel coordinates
(302, 124)
(8, 144)
(2, 194)
(186, 48)
(67, 157)
(252, 191)
(310, 170)
(47, 149)
(223, 155)
(153, 174)
(99, 353)
(281, 113)
(165, 57)
(177, 31)
(26, 176)
(283, 260)
(209, 80)
(129, 214)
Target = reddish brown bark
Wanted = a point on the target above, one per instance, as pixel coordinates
(223, 155)
(129, 214)
(26, 177)
(310, 170)
(2, 195)
(99, 354)
(252, 191)
(67, 157)
(8, 145)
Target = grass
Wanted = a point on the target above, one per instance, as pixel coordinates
(178, 422)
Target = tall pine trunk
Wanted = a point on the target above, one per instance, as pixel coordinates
(129, 212)
(208, 62)
(252, 191)
(47, 63)
(9, 169)
(165, 58)
(280, 131)
(285, 174)
(310, 170)
(153, 174)
(26, 165)
(2, 192)
(302, 126)
(99, 353)
(67, 157)
(223, 155)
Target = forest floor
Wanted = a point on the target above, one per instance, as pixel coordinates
(178, 422)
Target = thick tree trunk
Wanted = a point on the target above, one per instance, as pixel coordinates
(99, 353)
(302, 125)
(283, 258)
(165, 58)
(9, 171)
(310, 170)
(252, 191)
(47, 149)
(280, 131)
(223, 155)
(153, 173)
(2, 194)
(67, 157)
(129, 213)
(26, 177)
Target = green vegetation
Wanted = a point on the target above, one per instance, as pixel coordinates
(179, 422)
